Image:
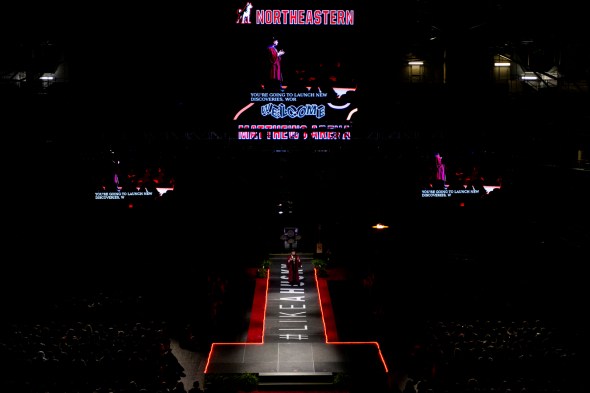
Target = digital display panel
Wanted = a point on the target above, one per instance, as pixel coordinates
(298, 65)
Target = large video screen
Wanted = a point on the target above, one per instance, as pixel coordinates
(297, 65)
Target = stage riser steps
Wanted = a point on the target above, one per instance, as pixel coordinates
(296, 388)
(319, 380)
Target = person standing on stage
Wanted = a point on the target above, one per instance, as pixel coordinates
(293, 266)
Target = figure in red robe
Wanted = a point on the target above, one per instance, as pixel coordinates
(441, 176)
(275, 76)
(293, 266)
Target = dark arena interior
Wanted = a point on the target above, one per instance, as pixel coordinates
(152, 168)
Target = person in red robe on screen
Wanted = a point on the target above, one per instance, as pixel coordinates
(293, 266)
(275, 76)
(441, 176)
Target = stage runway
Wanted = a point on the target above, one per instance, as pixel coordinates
(294, 341)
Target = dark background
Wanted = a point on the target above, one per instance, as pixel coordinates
(143, 77)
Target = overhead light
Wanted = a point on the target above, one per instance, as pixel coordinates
(380, 226)
(529, 76)
(46, 77)
(502, 64)
(417, 62)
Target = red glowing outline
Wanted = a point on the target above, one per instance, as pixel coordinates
(315, 274)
